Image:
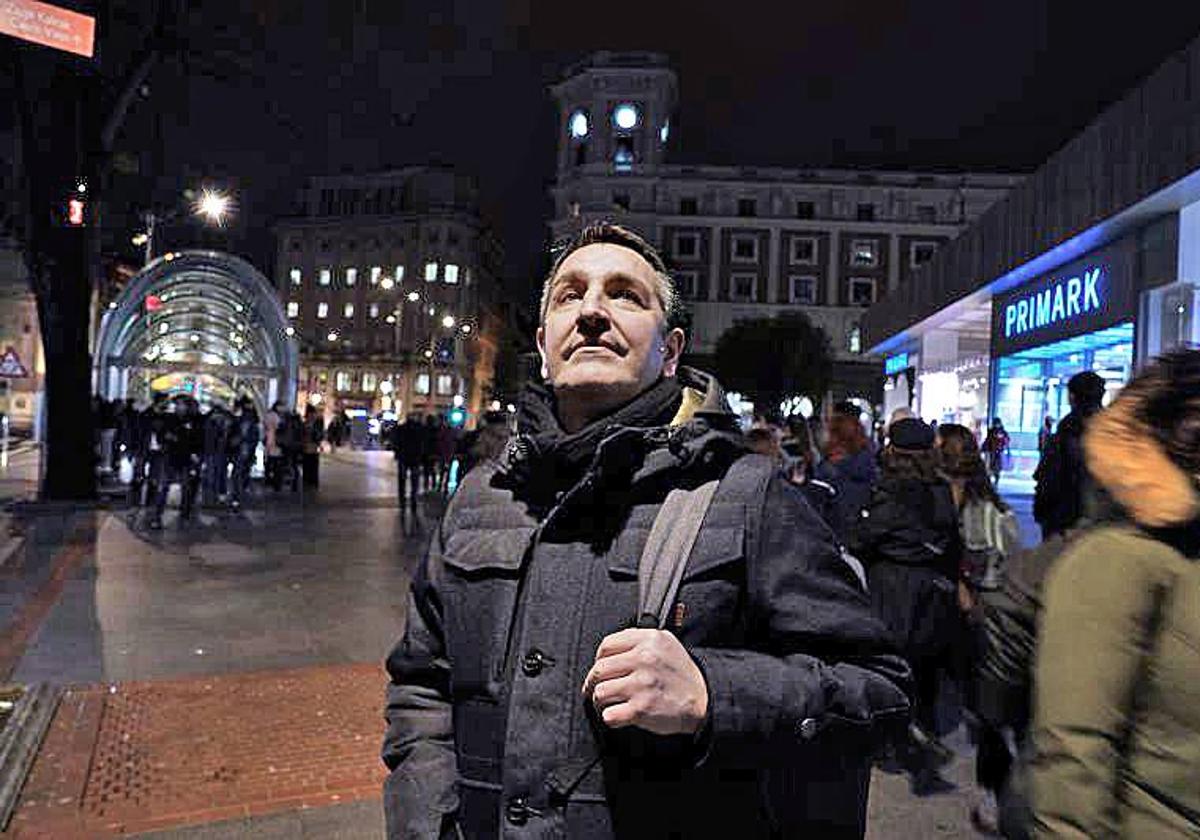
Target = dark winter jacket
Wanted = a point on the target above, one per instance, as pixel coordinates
(1116, 719)
(852, 479)
(488, 733)
(1061, 476)
(408, 442)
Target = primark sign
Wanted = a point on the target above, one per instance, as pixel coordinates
(1090, 294)
(1069, 297)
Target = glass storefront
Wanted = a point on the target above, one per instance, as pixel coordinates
(1031, 384)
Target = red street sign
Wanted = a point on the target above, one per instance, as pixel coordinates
(10, 365)
(49, 26)
(153, 303)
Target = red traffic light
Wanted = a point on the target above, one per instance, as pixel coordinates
(75, 212)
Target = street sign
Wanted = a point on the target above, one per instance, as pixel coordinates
(50, 26)
(10, 365)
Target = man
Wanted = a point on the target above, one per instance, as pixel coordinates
(271, 446)
(408, 448)
(243, 444)
(1061, 475)
(524, 702)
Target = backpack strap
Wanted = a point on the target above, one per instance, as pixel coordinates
(660, 568)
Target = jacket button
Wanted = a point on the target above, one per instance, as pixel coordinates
(517, 811)
(807, 728)
(534, 662)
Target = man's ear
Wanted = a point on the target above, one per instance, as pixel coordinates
(541, 346)
(674, 342)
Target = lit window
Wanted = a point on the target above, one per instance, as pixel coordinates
(376, 273)
(804, 250)
(296, 277)
(398, 274)
(445, 384)
(293, 309)
(322, 309)
(687, 245)
(348, 310)
(864, 252)
(422, 384)
(431, 269)
(579, 125)
(325, 277)
(373, 310)
(920, 253)
(862, 291)
(369, 382)
(342, 381)
(744, 288)
(625, 116)
(854, 339)
(351, 276)
(451, 273)
(802, 289)
(745, 248)
(623, 156)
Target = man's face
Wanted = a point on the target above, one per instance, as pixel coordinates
(602, 335)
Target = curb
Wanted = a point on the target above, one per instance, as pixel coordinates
(20, 740)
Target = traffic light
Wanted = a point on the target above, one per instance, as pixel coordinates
(75, 208)
(458, 416)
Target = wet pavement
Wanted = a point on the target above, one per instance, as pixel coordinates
(226, 673)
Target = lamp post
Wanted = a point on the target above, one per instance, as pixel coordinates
(211, 205)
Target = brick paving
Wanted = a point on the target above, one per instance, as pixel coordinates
(140, 756)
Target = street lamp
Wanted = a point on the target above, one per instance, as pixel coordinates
(213, 205)
(210, 205)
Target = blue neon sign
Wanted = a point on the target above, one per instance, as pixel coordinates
(1063, 300)
(895, 364)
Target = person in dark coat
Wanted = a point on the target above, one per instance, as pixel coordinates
(909, 541)
(314, 434)
(800, 467)
(408, 448)
(243, 444)
(849, 467)
(182, 432)
(215, 472)
(525, 701)
(1061, 475)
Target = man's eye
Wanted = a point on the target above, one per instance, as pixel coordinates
(568, 295)
(628, 294)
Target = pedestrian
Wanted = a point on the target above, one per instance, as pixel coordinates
(106, 423)
(429, 458)
(243, 446)
(751, 713)
(314, 434)
(271, 448)
(126, 437)
(181, 435)
(1061, 476)
(446, 446)
(148, 452)
(849, 467)
(291, 448)
(800, 465)
(990, 535)
(1116, 719)
(1044, 434)
(908, 539)
(157, 432)
(996, 449)
(215, 472)
(408, 448)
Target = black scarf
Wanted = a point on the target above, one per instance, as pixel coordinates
(553, 457)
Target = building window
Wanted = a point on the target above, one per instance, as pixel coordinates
(747, 207)
(342, 381)
(296, 276)
(451, 274)
(399, 274)
(325, 276)
(445, 384)
(369, 381)
(322, 309)
(373, 310)
(621, 200)
(802, 289)
(743, 288)
(804, 250)
(920, 253)
(687, 284)
(745, 248)
(431, 271)
(623, 156)
(293, 309)
(926, 213)
(865, 212)
(351, 276)
(687, 245)
(864, 253)
(805, 210)
(854, 339)
(376, 273)
(348, 310)
(421, 386)
(688, 207)
(862, 291)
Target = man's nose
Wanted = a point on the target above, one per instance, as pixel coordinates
(592, 310)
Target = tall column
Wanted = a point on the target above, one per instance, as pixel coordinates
(714, 262)
(893, 278)
(773, 279)
(833, 269)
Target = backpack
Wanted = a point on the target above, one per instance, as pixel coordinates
(989, 536)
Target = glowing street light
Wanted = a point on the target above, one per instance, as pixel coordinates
(428, 354)
(448, 322)
(413, 297)
(332, 335)
(214, 206)
(466, 328)
(289, 332)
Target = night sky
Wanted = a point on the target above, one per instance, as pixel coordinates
(274, 90)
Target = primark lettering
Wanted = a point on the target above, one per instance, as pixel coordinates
(1067, 298)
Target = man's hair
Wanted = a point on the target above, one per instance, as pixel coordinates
(613, 234)
(1087, 388)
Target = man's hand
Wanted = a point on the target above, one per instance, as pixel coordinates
(645, 678)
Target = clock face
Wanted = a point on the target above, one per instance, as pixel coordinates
(625, 116)
(579, 125)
